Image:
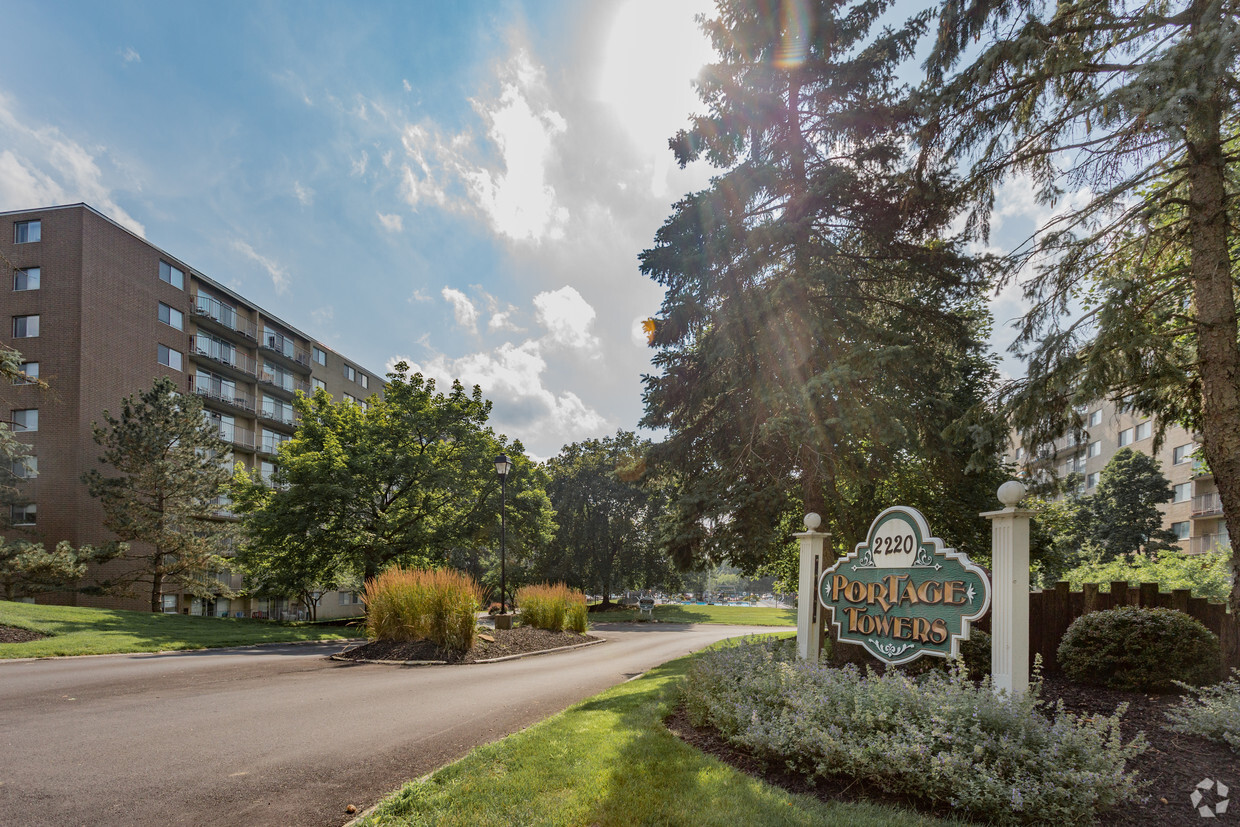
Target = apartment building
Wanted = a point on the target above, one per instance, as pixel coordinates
(1195, 514)
(98, 313)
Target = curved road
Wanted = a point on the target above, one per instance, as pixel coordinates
(275, 735)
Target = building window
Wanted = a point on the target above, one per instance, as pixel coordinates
(1180, 530)
(272, 441)
(26, 420)
(277, 410)
(1125, 437)
(25, 327)
(30, 374)
(25, 468)
(349, 599)
(170, 357)
(318, 384)
(171, 316)
(278, 377)
(1095, 418)
(1143, 431)
(267, 470)
(1183, 492)
(1183, 453)
(349, 398)
(320, 355)
(1020, 452)
(24, 514)
(1094, 449)
(363, 380)
(26, 278)
(350, 373)
(25, 232)
(172, 275)
(1091, 480)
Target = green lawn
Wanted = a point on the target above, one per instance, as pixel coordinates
(609, 761)
(734, 615)
(101, 631)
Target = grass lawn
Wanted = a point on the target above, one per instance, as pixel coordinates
(77, 631)
(735, 615)
(609, 761)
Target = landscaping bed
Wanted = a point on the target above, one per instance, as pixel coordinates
(11, 634)
(504, 643)
(1170, 768)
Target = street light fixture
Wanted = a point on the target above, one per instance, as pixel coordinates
(502, 466)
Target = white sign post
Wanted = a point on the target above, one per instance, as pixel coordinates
(809, 618)
(1009, 613)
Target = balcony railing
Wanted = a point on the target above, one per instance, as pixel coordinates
(269, 444)
(272, 415)
(241, 437)
(283, 345)
(1209, 542)
(1207, 505)
(200, 345)
(217, 390)
(283, 381)
(224, 315)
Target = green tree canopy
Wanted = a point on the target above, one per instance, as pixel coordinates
(28, 569)
(405, 480)
(164, 472)
(1124, 117)
(1124, 515)
(821, 333)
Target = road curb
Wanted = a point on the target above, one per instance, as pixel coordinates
(518, 656)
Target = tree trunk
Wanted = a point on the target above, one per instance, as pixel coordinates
(157, 588)
(1215, 311)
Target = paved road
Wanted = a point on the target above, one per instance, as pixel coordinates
(275, 735)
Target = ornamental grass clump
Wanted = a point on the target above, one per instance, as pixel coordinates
(940, 738)
(553, 607)
(1213, 712)
(438, 605)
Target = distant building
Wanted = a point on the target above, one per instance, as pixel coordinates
(1195, 515)
(98, 313)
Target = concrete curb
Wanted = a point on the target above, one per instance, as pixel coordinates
(147, 653)
(473, 663)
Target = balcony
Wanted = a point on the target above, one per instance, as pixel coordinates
(1209, 542)
(270, 444)
(284, 347)
(1201, 470)
(222, 354)
(280, 381)
(222, 392)
(1207, 505)
(241, 437)
(215, 311)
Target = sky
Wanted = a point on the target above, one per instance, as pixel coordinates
(462, 186)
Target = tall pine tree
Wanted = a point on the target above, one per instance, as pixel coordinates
(819, 333)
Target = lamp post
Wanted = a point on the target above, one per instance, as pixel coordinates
(502, 466)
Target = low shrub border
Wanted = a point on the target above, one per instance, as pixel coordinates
(553, 607)
(439, 605)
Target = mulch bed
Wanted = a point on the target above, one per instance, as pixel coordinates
(1171, 767)
(11, 634)
(519, 641)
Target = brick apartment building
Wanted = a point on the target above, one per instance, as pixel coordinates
(98, 313)
(1195, 515)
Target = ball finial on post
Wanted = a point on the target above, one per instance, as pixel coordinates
(1011, 492)
(812, 521)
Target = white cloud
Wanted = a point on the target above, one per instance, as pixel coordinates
(130, 55)
(43, 168)
(502, 321)
(406, 84)
(279, 276)
(391, 222)
(360, 164)
(304, 195)
(462, 308)
(567, 318)
(419, 295)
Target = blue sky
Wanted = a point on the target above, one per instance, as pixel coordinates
(465, 186)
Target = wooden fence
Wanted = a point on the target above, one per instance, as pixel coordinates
(1053, 610)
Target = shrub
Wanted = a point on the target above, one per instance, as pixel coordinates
(1208, 575)
(552, 607)
(1213, 712)
(974, 654)
(438, 605)
(940, 738)
(1136, 649)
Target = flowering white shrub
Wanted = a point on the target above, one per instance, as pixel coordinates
(1212, 712)
(940, 737)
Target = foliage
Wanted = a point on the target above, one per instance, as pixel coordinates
(1136, 649)
(79, 631)
(820, 338)
(11, 448)
(1207, 575)
(552, 607)
(1123, 120)
(439, 605)
(1058, 537)
(607, 512)
(1212, 712)
(610, 761)
(165, 471)
(27, 569)
(940, 738)
(1124, 510)
(974, 656)
(406, 480)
